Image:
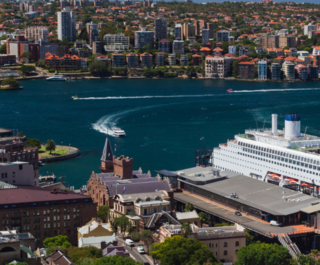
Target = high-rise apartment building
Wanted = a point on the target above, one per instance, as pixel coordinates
(178, 32)
(222, 36)
(178, 46)
(160, 25)
(37, 33)
(287, 41)
(67, 25)
(270, 41)
(262, 70)
(275, 71)
(288, 70)
(188, 30)
(205, 35)
(210, 28)
(218, 67)
(308, 28)
(92, 30)
(143, 38)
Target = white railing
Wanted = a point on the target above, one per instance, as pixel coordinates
(285, 240)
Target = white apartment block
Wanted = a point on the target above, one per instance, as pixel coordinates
(67, 25)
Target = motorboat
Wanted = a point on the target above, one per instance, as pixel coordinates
(57, 78)
(75, 97)
(230, 90)
(118, 132)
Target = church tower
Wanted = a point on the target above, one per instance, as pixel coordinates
(107, 158)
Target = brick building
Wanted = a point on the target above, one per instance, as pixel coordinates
(246, 70)
(7, 59)
(44, 212)
(118, 177)
(65, 63)
(15, 150)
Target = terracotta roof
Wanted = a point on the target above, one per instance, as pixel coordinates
(246, 63)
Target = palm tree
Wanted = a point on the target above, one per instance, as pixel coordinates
(50, 145)
(186, 229)
(189, 207)
(203, 217)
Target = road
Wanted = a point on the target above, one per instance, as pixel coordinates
(143, 258)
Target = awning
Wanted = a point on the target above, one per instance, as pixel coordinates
(311, 209)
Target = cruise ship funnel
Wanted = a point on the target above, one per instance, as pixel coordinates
(292, 126)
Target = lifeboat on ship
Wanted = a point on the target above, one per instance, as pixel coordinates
(273, 177)
(292, 181)
(308, 185)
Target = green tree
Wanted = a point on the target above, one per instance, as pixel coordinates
(135, 236)
(103, 212)
(76, 254)
(25, 55)
(11, 82)
(52, 249)
(189, 207)
(178, 250)
(3, 48)
(122, 222)
(57, 241)
(203, 217)
(262, 253)
(26, 69)
(115, 260)
(146, 236)
(32, 142)
(98, 68)
(50, 145)
(186, 229)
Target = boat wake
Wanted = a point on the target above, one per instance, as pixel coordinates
(107, 123)
(273, 90)
(143, 97)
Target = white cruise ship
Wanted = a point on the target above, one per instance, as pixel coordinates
(283, 157)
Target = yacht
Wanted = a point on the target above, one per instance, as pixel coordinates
(288, 157)
(57, 78)
(118, 132)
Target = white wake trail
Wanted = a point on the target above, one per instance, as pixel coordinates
(274, 90)
(143, 97)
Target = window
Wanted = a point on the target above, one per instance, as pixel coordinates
(225, 244)
(237, 243)
(225, 253)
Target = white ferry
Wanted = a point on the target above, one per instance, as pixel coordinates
(283, 157)
(57, 78)
(118, 132)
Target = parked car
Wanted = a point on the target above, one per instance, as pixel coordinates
(129, 243)
(141, 250)
(275, 223)
(177, 190)
(238, 213)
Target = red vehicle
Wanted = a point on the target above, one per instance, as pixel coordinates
(230, 90)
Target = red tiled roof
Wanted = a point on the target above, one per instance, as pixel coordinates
(246, 63)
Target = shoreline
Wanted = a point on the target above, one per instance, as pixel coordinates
(74, 78)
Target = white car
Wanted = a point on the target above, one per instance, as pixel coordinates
(129, 243)
(141, 250)
(275, 223)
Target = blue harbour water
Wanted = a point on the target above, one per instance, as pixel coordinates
(163, 119)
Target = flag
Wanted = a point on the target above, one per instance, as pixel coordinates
(124, 190)
(202, 138)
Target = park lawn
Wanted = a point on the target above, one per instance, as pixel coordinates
(57, 152)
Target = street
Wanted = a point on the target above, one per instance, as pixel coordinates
(144, 258)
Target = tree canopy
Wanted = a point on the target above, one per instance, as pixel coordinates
(10, 82)
(50, 145)
(103, 212)
(32, 142)
(57, 241)
(262, 253)
(99, 68)
(178, 250)
(26, 69)
(76, 254)
(189, 207)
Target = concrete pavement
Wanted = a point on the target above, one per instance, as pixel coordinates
(143, 258)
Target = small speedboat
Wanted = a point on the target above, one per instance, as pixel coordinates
(118, 132)
(75, 97)
(230, 90)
